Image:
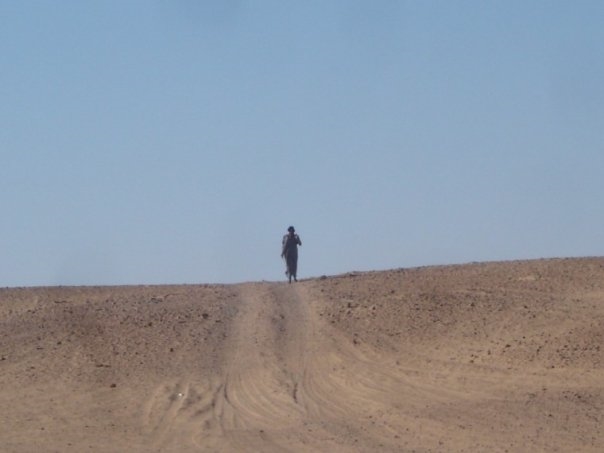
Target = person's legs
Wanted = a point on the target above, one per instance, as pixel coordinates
(292, 266)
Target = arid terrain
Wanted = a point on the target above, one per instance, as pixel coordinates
(484, 357)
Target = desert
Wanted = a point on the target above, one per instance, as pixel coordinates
(495, 356)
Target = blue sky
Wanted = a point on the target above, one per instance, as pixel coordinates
(148, 142)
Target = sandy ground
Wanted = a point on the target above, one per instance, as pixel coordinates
(486, 357)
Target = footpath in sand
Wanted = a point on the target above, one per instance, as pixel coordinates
(479, 357)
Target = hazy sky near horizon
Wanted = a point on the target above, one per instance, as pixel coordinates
(152, 141)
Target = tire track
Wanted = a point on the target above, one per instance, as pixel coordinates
(289, 382)
(260, 384)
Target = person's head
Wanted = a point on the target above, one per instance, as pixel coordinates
(291, 230)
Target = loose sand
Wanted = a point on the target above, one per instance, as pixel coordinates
(481, 357)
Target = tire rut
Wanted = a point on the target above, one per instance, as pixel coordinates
(289, 382)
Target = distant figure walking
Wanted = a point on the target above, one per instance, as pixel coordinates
(289, 252)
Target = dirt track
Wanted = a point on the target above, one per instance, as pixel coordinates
(481, 357)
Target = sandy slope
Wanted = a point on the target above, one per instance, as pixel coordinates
(481, 357)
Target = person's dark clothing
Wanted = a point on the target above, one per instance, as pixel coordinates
(289, 252)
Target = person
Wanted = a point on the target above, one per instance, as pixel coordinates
(289, 252)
